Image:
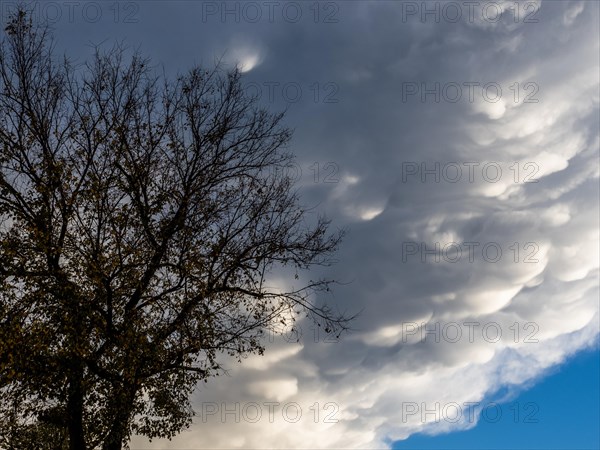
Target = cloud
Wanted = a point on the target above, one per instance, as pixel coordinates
(460, 328)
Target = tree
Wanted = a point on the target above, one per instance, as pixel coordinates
(139, 221)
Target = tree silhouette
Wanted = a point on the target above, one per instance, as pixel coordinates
(139, 221)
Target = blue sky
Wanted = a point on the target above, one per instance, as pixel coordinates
(559, 412)
(462, 156)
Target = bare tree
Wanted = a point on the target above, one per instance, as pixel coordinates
(139, 221)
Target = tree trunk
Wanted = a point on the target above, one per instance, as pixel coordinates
(115, 444)
(123, 404)
(75, 409)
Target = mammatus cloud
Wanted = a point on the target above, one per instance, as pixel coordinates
(477, 274)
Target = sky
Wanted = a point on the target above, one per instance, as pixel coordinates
(558, 412)
(458, 143)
